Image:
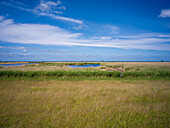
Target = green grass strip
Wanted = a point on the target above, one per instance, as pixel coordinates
(59, 73)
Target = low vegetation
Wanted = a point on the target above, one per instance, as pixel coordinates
(99, 104)
(114, 95)
(59, 73)
(87, 73)
(108, 69)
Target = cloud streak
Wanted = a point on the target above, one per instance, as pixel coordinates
(52, 35)
(34, 33)
(21, 48)
(62, 18)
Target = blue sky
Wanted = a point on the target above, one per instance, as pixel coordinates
(84, 30)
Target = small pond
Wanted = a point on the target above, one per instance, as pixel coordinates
(17, 64)
(84, 66)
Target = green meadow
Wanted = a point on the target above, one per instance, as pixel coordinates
(114, 95)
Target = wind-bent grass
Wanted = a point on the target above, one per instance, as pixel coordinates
(59, 73)
(87, 73)
(163, 74)
(111, 104)
(31, 98)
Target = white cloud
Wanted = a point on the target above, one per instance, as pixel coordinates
(165, 13)
(22, 48)
(105, 38)
(48, 8)
(1, 18)
(62, 8)
(113, 29)
(16, 6)
(58, 12)
(18, 3)
(101, 38)
(62, 18)
(56, 51)
(51, 8)
(78, 28)
(35, 33)
(52, 35)
(24, 51)
(58, 2)
(142, 36)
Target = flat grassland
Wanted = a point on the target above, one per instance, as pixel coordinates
(133, 101)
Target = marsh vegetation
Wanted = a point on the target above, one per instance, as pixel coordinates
(54, 95)
(107, 69)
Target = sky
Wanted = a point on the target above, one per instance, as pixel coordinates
(84, 30)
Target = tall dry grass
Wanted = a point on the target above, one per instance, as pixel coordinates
(111, 104)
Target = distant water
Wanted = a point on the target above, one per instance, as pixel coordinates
(84, 66)
(16, 64)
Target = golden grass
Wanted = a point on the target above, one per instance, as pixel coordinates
(34, 68)
(138, 66)
(94, 104)
(138, 63)
(12, 62)
(133, 66)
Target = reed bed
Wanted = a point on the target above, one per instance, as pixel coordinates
(87, 73)
(108, 69)
(59, 73)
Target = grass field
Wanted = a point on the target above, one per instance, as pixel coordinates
(61, 97)
(104, 103)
